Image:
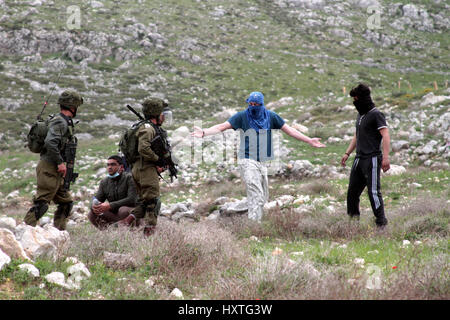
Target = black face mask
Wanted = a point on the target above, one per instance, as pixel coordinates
(364, 104)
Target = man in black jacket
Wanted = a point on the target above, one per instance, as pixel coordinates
(118, 190)
(372, 143)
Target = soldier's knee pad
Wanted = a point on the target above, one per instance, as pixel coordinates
(154, 206)
(40, 208)
(139, 210)
(64, 209)
(152, 212)
(36, 212)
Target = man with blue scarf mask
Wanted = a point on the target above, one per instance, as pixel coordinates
(255, 124)
(116, 195)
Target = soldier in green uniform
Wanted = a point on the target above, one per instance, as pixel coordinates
(146, 168)
(51, 168)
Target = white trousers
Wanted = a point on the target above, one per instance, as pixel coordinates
(254, 175)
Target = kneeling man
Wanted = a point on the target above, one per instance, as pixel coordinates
(118, 190)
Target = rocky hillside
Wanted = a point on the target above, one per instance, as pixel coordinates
(206, 56)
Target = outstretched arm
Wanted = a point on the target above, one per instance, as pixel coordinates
(200, 133)
(315, 142)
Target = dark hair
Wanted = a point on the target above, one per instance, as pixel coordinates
(117, 158)
(362, 90)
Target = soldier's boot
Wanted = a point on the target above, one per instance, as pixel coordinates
(135, 215)
(151, 216)
(149, 230)
(35, 213)
(62, 214)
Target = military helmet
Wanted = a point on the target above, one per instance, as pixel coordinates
(153, 107)
(70, 98)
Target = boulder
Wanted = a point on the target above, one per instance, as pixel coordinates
(59, 279)
(430, 99)
(118, 260)
(237, 207)
(38, 241)
(400, 145)
(190, 214)
(10, 246)
(301, 168)
(177, 293)
(225, 114)
(8, 223)
(280, 103)
(178, 207)
(395, 170)
(76, 273)
(30, 269)
(300, 127)
(4, 259)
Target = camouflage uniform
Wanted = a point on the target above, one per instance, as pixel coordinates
(49, 180)
(254, 175)
(144, 171)
(146, 179)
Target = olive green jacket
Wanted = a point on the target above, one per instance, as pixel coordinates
(60, 131)
(119, 191)
(145, 135)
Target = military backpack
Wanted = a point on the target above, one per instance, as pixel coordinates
(38, 132)
(128, 143)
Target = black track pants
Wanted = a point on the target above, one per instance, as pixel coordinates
(366, 173)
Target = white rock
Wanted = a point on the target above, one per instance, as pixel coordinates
(56, 278)
(150, 282)
(32, 270)
(12, 195)
(405, 243)
(8, 223)
(270, 205)
(285, 199)
(234, 207)
(4, 259)
(11, 246)
(34, 242)
(359, 261)
(97, 4)
(59, 238)
(45, 220)
(73, 260)
(177, 293)
(395, 170)
(302, 199)
(415, 136)
(430, 99)
(78, 269)
(300, 127)
(225, 114)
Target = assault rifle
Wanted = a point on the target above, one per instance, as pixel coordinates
(165, 161)
(161, 148)
(70, 151)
